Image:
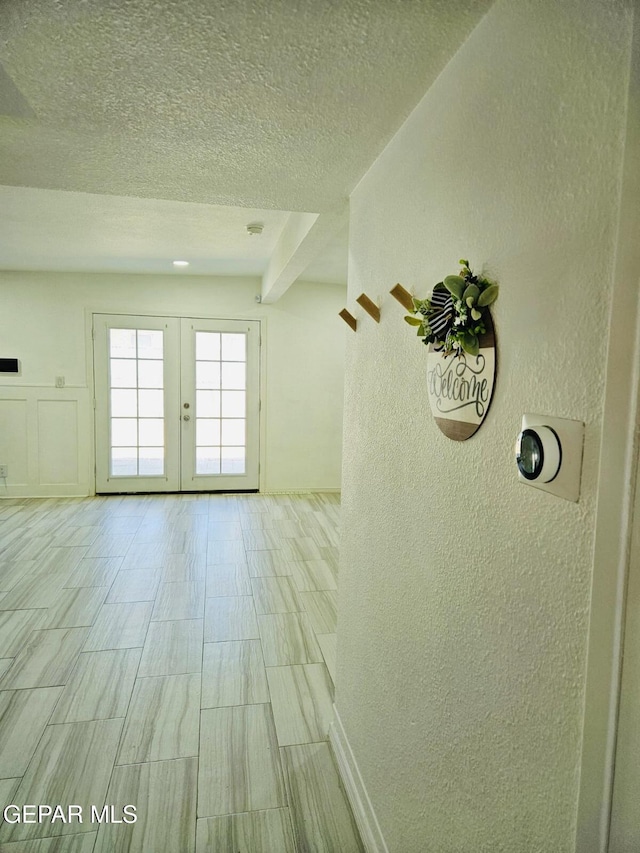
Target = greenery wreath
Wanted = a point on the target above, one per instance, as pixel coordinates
(452, 318)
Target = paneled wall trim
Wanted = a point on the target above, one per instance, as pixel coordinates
(45, 439)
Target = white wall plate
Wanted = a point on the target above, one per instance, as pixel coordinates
(566, 484)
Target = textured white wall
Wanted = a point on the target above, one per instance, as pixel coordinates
(464, 595)
(43, 324)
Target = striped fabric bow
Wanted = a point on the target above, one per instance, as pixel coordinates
(441, 314)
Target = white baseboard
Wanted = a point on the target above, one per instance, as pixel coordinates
(73, 490)
(361, 806)
(308, 491)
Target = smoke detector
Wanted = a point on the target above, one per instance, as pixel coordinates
(255, 228)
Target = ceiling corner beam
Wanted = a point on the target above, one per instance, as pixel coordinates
(302, 239)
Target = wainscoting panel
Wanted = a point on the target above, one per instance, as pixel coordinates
(58, 442)
(45, 439)
(13, 439)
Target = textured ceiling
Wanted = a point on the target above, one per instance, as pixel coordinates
(57, 230)
(269, 104)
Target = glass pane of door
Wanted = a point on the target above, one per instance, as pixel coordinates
(220, 400)
(137, 413)
(220, 411)
(136, 362)
(176, 404)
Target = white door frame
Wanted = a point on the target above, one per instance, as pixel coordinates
(615, 495)
(119, 309)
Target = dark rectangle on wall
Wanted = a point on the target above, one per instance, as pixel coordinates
(9, 365)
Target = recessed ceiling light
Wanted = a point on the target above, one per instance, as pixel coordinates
(181, 263)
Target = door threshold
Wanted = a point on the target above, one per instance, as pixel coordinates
(198, 492)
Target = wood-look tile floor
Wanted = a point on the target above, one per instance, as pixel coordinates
(175, 653)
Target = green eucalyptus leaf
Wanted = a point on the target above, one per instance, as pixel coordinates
(476, 314)
(421, 331)
(413, 321)
(463, 262)
(488, 296)
(455, 284)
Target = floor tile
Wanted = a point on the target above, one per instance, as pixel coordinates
(256, 521)
(75, 536)
(23, 717)
(218, 531)
(56, 561)
(289, 529)
(310, 575)
(225, 552)
(120, 525)
(33, 591)
(165, 794)
(194, 560)
(163, 719)
(322, 819)
(13, 536)
(265, 564)
(327, 643)
(287, 639)
(322, 609)
(99, 687)
(172, 648)
(302, 702)
(301, 549)
(83, 842)
(134, 585)
(179, 601)
(233, 673)
(145, 555)
(15, 627)
(275, 595)
(96, 571)
(188, 542)
(110, 545)
(7, 787)
(230, 618)
(261, 540)
(331, 556)
(228, 579)
(18, 546)
(251, 832)
(76, 607)
(182, 568)
(46, 659)
(120, 626)
(239, 763)
(72, 764)
(320, 534)
(11, 573)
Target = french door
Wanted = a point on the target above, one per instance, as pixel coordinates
(176, 404)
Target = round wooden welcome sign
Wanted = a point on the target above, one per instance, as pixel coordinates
(460, 387)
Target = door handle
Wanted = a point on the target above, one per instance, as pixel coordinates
(186, 417)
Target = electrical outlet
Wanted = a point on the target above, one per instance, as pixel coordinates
(4, 472)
